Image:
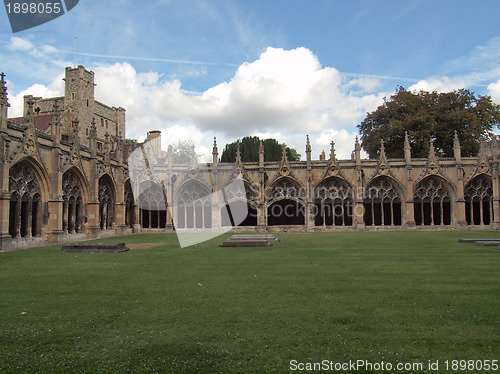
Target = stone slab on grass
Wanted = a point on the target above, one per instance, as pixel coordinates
(478, 240)
(94, 248)
(250, 240)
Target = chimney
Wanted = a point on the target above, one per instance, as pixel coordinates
(154, 138)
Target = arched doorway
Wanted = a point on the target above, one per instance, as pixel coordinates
(239, 205)
(193, 208)
(382, 203)
(479, 201)
(333, 200)
(286, 204)
(73, 203)
(432, 203)
(106, 203)
(152, 206)
(25, 215)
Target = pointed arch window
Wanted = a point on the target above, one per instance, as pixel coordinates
(106, 203)
(286, 204)
(333, 203)
(153, 210)
(194, 207)
(432, 203)
(73, 204)
(382, 204)
(25, 214)
(479, 201)
(238, 199)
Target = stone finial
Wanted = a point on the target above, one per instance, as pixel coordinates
(31, 103)
(3, 91)
(238, 153)
(357, 151)
(407, 148)
(284, 157)
(456, 141)
(382, 155)
(193, 155)
(432, 151)
(308, 144)
(215, 152)
(332, 150)
(457, 149)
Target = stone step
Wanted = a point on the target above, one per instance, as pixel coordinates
(94, 248)
(256, 237)
(478, 240)
(246, 243)
(489, 243)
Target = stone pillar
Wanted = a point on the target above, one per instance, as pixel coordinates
(409, 208)
(29, 218)
(358, 216)
(459, 213)
(4, 189)
(496, 196)
(72, 214)
(137, 219)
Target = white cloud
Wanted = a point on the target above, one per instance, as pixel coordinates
(494, 91)
(285, 94)
(282, 89)
(439, 84)
(20, 44)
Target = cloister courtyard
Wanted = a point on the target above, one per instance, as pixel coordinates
(395, 296)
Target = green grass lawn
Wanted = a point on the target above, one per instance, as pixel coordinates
(376, 296)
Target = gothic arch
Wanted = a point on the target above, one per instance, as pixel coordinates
(152, 205)
(383, 202)
(107, 199)
(285, 203)
(478, 195)
(82, 180)
(73, 202)
(41, 174)
(333, 201)
(25, 209)
(286, 188)
(432, 199)
(240, 204)
(193, 206)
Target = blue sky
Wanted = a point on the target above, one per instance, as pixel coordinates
(197, 69)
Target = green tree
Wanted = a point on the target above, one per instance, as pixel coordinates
(249, 150)
(427, 115)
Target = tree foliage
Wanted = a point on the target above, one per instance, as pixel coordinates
(427, 115)
(249, 150)
(184, 151)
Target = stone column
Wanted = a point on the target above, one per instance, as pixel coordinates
(496, 197)
(137, 219)
(29, 218)
(17, 219)
(72, 223)
(409, 206)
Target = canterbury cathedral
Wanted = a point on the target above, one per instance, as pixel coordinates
(65, 176)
